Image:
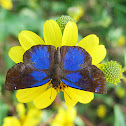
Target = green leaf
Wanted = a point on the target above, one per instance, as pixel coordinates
(3, 25)
(8, 62)
(119, 119)
(78, 121)
(1, 80)
(3, 111)
(120, 7)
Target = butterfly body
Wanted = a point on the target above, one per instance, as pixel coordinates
(71, 65)
(56, 72)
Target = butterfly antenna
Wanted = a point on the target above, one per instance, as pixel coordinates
(51, 93)
(67, 94)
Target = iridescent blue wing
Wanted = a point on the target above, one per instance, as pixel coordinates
(78, 71)
(35, 69)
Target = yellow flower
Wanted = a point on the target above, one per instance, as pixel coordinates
(101, 111)
(120, 92)
(32, 117)
(11, 121)
(53, 36)
(76, 12)
(20, 108)
(64, 117)
(121, 41)
(7, 4)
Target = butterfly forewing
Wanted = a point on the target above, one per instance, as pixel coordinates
(78, 71)
(35, 69)
(74, 58)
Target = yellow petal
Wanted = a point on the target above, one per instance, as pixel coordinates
(52, 33)
(7, 4)
(71, 114)
(69, 99)
(45, 99)
(82, 96)
(70, 34)
(16, 54)
(27, 95)
(28, 39)
(89, 43)
(11, 121)
(20, 109)
(33, 117)
(98, 55)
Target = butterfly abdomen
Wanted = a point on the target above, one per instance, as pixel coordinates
(56, 75)
(56, 82)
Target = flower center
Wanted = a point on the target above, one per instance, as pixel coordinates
(58, 88)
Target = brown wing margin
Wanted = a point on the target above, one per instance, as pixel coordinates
(20, 77)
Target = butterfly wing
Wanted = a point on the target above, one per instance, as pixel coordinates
(34, 71)
(78, 71)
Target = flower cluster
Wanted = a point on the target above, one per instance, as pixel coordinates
(64, 117)
(53, 36)
(32, 117)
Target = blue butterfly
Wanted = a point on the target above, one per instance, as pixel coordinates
(71, 65)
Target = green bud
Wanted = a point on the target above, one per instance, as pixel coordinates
(113, 71)
(63, 20)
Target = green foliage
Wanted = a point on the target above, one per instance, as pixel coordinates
(119, 119)
(3, 111)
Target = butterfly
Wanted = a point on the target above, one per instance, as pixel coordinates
(71, 65)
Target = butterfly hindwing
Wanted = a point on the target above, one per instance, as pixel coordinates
(34, 71)
(83, 75)
(98, 80)
(18, 77)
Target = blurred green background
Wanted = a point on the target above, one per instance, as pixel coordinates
(105, 18)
